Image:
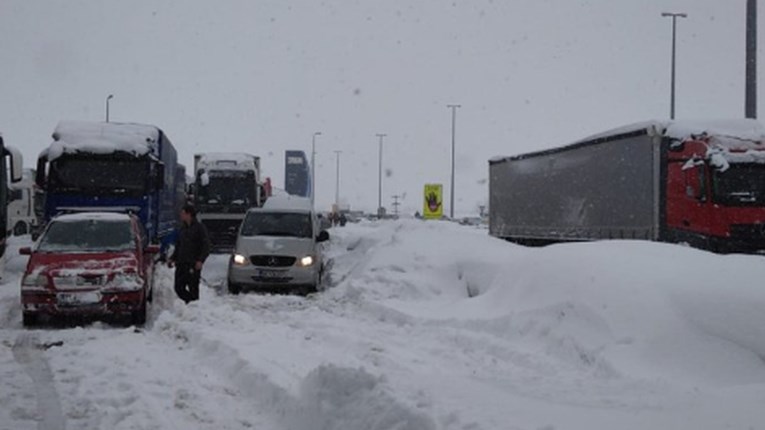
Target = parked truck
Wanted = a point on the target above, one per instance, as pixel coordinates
(115, 167)
(7, 154)
(226, 186)
(697, 183)
(297, 174)
(22, 218)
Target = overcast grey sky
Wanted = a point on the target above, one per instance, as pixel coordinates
(262, 76)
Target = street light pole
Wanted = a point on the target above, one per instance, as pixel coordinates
(454, 125)
(337, 182)
(379, 175)
(109, 97)
(674, 17)
(313, 169)
(750, 98)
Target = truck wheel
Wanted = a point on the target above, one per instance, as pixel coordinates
(29, 320)
(234, 288)
(20, 229)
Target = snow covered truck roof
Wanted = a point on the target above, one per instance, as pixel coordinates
(72, 137)
(733, 137)
(225, 161)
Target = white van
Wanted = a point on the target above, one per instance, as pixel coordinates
(279, 247)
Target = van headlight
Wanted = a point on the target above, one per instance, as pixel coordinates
(306, 261)
(239, 259)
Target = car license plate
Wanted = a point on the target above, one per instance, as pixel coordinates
(79, 298)
(270, 274)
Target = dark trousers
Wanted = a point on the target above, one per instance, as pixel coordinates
(187, 282)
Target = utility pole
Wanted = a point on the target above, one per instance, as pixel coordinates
(379, 175)
(109, 97)
(750, 99)
(674, 17)
(454, 125)
(396, 204)
(313, 169)
(337, 181)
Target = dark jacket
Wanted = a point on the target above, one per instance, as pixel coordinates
(192, 245)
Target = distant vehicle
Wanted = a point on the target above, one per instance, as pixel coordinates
(89, 265)
(297, 174)
(95, 166)
(7, 153)
(225, 187)
(696, 183)
(21, 205)
(279, 248)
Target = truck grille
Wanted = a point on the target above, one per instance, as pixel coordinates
(222, 232)
(272, 260)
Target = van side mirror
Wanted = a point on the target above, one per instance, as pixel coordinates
(323, 236)
(25, 251)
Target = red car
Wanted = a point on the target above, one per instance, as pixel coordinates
(89, 265)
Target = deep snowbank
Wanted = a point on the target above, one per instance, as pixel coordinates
(633, 308)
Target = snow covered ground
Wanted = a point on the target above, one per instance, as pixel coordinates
(424, 326)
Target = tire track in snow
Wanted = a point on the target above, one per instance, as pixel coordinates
(27, 353)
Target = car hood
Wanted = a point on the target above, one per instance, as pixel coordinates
(68, 264)
(273, 245)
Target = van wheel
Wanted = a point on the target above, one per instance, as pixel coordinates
(234, 288)
(20, 229)
(29, 320)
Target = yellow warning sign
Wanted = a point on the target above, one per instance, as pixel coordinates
(434, 202)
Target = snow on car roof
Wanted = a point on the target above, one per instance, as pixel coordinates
(288, 203)
(102, 138)
(227, 160)
(97, 216)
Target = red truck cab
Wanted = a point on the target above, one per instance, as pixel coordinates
(716, 192)
(91, 264)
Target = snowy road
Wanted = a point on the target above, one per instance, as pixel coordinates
(424, 326)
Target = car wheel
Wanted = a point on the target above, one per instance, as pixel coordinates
(20, 229)
(138, 317)
(30, 320)
(234, 288)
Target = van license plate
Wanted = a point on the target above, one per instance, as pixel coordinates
(270, 274)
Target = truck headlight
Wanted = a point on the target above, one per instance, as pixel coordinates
(34, 281)
(239, 259)
(306, 261)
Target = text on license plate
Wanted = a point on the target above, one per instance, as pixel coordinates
(78, 298)
(270, 274)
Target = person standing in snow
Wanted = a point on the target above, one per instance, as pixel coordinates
(191, 251)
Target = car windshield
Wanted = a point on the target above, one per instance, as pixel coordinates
(87, 236)
(277, 224)
(740, 185)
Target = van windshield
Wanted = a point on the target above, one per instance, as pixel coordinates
(277, 224)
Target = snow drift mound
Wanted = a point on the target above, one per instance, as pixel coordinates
(642, 308)
(614, 308)
(338, 398)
